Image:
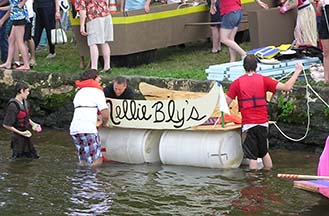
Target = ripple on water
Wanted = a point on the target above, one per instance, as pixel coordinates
(55, 184)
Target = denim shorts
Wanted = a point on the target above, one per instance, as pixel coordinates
(231, 20)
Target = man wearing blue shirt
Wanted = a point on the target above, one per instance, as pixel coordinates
(128, 5)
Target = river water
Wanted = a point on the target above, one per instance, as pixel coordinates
(56, 185)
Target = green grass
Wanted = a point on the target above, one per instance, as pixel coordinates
(186, 63)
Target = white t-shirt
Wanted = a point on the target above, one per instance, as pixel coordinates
(87, 102)
(29, 6)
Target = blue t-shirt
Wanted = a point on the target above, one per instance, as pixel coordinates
(134, 5)
(17, 13)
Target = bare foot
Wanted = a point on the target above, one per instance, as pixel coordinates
(32, 62)
(4, 66)
(23, 68)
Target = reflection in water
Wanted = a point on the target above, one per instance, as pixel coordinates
(56, 185)
(90, 194)
(253, 198)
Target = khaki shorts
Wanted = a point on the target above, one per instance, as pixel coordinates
(100, 30)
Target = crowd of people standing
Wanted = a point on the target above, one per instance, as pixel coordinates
(16, 30)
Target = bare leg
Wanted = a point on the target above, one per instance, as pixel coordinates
(94, 56)
(227, 37)
(325, 45)
(215, 32)
(267, 161)
(11, 50)
(106, 55)
(82, 62)
(253, 164)
(97, 162)
(19, 32)
(31, 46)
(16, 55)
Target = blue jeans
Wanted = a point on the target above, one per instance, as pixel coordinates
(3, 43)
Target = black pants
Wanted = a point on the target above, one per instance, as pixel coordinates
(45, 18)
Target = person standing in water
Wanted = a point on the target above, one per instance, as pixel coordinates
(250, 90)
(18, 121)
(88, 102)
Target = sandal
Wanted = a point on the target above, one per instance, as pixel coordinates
(106, 71)
(214, 51)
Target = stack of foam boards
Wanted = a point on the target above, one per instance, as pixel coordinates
(233, 70)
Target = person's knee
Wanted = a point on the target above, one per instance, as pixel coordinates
(225, 40)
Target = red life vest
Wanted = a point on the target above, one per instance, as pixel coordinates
(252, 92)
(88, 83)
(23, 114)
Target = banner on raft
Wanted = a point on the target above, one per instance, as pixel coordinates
(162, 114)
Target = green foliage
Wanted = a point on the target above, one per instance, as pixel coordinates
(288, 111)
(325, 111)
(55, 101)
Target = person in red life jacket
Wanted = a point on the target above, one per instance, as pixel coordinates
(250, 90)
(18, 121)
(88, 101)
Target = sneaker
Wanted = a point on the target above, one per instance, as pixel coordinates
(51, 55)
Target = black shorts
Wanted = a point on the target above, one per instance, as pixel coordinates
(21, 22)
(28, 30)
(255, 144)
(323, 27)
(216, 17)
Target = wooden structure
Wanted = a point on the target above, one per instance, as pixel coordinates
(317, 186)
(138, 35)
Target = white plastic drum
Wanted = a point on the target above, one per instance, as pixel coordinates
(130, 145)
(213, 149)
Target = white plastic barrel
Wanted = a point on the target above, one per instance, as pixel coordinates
(130, 145)
(213, 149)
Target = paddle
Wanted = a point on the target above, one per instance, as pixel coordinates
(308, 177)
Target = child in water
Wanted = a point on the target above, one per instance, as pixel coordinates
(17, 120)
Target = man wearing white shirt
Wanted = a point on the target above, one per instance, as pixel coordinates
(88, 102)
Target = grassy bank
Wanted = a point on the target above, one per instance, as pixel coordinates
(189, 62)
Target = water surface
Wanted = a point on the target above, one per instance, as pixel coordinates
(56, 185)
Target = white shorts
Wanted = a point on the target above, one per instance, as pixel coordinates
(100, 30)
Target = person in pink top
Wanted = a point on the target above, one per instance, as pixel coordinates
(96, 24)
(231, 13)
(250, 90)
(323, 167)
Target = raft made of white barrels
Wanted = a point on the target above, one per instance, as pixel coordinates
(172, 131)
(212, 149)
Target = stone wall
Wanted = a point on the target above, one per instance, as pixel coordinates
(52, 94)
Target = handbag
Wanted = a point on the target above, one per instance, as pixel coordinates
(58, 35)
